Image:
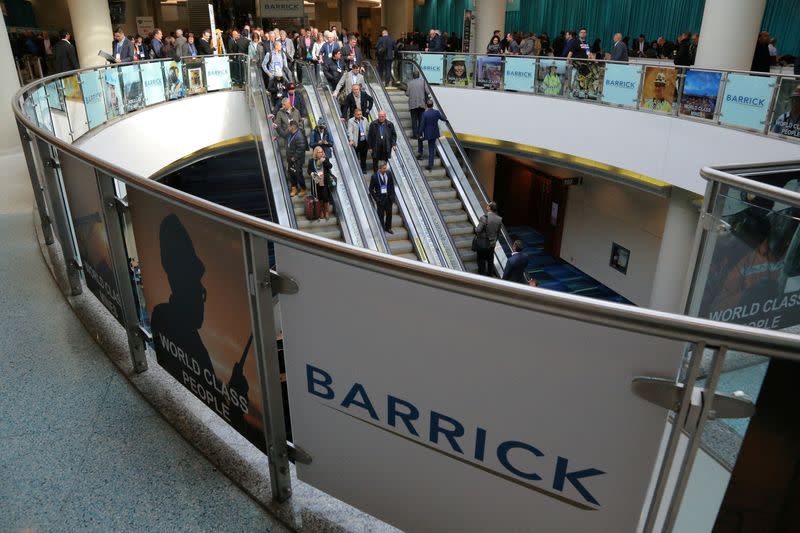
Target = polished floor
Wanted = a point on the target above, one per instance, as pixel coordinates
(80, 449)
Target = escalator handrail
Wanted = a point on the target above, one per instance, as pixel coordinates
(461, 152)
(260, 94)
(444, 234)
(374, 228)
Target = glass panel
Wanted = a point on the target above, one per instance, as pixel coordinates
(95, 106)
(42, 109)
(659, 90)
(747, 99)
(53, 97)
(519, 74)
(115, 105)
(552, 77)
(153, 81)
(433, 67)
(621, 84)
(173, 73)
(29, 107)
(490, 72)
(73, 100)
(460, 70)
(587, 80)
(786, 118)
(700, 91)
(132, 85)
(219, 72)
(194, 75)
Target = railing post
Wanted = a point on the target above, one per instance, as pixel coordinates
(113, 207)
(38, 190)
(266, 349)
(51, 170)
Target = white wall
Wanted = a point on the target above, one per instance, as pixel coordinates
(600, 212)
(665, 148)
(148, 140)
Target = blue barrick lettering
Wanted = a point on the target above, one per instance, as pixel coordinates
(312, 382)
(450, 434)
(622, 84)
(502, 456)
(753, 101)
(573, 477)
(519, 73)
(358, 390)
(393, 414)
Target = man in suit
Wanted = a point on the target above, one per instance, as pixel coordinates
(515, 266)
(381, 189)
(64, 55)
(334, 68)
(620, 51)
(204, 44)
(357, 99)
(181, 44)
(435, 43)
(385, 49)
(429, 130)
(490, 224)
(350, 78)
(352, 53)
(357, 135)
(417, 97)
(640, 46)
(122, 48)
(382, 139)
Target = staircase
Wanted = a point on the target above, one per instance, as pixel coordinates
(441, 185)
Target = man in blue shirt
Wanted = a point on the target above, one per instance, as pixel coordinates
(429, 130)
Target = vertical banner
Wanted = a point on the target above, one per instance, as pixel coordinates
(786, 119)
(432, 66)
(115, 104)
(659, 90)
(490, 72)
(93, 99)
(468, 32)
(700, 90)
(194, 77)
(174, 76)
(621, 84)
(460, 70)
(587, 80)
(218, 73)
(193, 274)
(153, 81)
(80, 184)
(552, 77)
(132, 87)
(746, 101)
(538, 437)
(519, 74)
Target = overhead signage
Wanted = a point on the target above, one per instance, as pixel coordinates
(621, 84)
(433, 67)
(488, 432)
(520, 74)
(746, 100)
(282, 9)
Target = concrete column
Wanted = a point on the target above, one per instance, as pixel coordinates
(9, 136)
(729, 32)
(676, 248)
(484, 164)
(397, 16)
(91, 28)
(350, 15)
(490, 15)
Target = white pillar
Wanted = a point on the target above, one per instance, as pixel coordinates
(397, 16)
(490, 15)
(484, 163)
(91, 28)
(677, 241)
(350, 15)
(729, 32)
(9, 136)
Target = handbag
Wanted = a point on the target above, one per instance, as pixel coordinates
(480, 242)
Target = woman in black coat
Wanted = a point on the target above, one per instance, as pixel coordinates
(319, 168)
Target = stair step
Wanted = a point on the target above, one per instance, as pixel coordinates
(401, 246)
(469, 255)
(408, 255)
(462, 242)
(445, 195)
(460, 229)
(304, 224)
(455, 217)
(331, 234)
(450, 206)
(439, 184)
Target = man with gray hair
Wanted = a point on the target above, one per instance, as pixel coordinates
(181, 44)
(276, 63)
(620, 51)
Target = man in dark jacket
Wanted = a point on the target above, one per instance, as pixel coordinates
(515, 266)
(296, 147)
(429, 130)
(382, 139)
(64, 55)
(381, 189)
(334, 68)
(761, 59)
(357, 99)
(489, 226)
(435, 42)
(122, 48)
(385, 50)
(204, 44)
(683, 55)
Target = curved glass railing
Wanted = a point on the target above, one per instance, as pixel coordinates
(418, 197)
(79, 207)
(759, 103)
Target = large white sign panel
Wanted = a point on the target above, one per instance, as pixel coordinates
(438, 411)
(282, 8)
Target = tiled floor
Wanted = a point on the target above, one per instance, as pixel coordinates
(555, 274)
(80, 449)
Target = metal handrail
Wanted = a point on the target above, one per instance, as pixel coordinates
(500, 255)
(732, 175)
(628, 318)
(451, 256)
(681, 69)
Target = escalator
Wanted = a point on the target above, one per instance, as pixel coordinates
(459, 194)
(416, 202)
